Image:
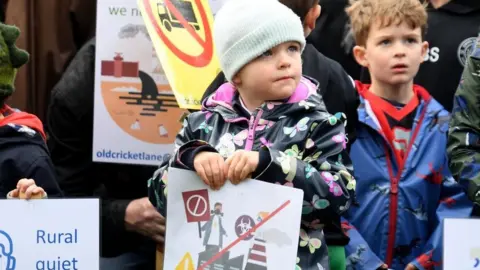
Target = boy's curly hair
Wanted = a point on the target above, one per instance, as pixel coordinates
(364, 13)
(300, 7)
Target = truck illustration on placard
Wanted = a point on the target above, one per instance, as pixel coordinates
(168, 19)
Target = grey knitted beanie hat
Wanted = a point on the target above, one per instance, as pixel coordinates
(245, 29)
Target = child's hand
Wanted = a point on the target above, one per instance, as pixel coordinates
(210, 167)
(241, 165)
(27, 189)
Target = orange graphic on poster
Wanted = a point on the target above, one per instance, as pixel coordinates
(143, 108)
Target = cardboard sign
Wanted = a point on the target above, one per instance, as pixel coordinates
(49, 234)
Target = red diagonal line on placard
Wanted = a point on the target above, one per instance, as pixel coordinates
(184, 22)
(243, 236)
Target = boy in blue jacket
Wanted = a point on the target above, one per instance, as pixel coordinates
(406, 189)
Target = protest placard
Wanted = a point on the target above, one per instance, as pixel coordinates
(136, 114)
(253, 224)
(49, 234)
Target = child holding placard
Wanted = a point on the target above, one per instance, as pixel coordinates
(24, 153)
(267, 122)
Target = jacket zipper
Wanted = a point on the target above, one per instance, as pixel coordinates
(394, 179)
(252, 125)
(393, 209)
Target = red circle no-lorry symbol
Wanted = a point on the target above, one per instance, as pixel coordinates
(197, 61)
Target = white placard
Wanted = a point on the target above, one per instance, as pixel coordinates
(461, 246)
(136, 116)
(271, 211)
(59, 234)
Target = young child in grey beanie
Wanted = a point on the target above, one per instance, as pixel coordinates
(267, 123)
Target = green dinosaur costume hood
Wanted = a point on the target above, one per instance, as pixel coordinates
(11, 58)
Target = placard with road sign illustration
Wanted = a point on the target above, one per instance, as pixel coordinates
(253, 225)
(182, 35)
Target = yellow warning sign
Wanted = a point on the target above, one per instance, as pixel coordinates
(186, 263)
(181, 32)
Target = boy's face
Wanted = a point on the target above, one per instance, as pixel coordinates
(272, 76)
(392, 54)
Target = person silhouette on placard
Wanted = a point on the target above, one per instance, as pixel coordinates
(213, 229)
(7, 261)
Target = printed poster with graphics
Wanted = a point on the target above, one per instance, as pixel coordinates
(136, 114)
(50, 234)
(251, 226)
